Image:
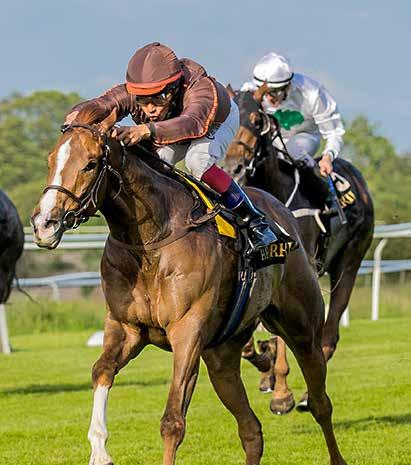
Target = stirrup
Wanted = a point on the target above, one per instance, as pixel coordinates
(261, 235)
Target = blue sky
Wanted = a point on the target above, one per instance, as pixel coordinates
(358, 49)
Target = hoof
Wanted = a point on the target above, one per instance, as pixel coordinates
(302, 406)
(282, 406)
(101, 460)
(267, 383)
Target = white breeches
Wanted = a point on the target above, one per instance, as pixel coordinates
(202, 153)
(302, 147)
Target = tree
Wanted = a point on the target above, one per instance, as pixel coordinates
(29, 128)
(386, 173)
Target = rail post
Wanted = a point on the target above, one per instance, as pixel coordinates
(376, 279)
(4, 334)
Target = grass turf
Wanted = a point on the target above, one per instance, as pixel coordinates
(45, 404)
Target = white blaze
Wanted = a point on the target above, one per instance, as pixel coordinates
(48, 201)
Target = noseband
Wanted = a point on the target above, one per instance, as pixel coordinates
(72, 219)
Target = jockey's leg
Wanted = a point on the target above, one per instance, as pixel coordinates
(201, 159)
(236, 199)
(302, 148)
(172, 154)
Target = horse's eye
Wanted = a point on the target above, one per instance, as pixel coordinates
(90, 165)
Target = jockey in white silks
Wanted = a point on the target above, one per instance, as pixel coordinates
(305, 111)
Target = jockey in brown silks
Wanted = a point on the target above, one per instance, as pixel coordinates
(186, 114)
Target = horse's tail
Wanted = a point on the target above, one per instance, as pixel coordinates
(20, 289)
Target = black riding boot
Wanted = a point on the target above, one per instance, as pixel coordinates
(261, 234)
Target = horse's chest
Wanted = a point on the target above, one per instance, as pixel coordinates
(150, 296)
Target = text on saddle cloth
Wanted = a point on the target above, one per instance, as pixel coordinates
(275, 253)
(343, 187)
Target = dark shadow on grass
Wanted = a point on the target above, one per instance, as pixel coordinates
(57, 388)
(362, 424)
(390, 420)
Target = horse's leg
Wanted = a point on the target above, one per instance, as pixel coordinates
(185, 339)
(263, 361)
(121, 344)
(343, 272)
(282, 401)
(223, 364)
(313, 366)
(302, 330)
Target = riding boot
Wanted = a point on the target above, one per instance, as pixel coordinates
(261, 234)
(234, 198)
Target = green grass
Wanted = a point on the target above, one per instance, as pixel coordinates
(26, 317)
(45, 404)
(394, 301)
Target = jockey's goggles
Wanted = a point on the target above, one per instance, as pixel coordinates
(276, 92)
(159, 99)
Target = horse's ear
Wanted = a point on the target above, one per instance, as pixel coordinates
(230, 90)
(260, 92)
(108, 122)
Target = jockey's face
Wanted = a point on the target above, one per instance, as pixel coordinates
(155, 112)
(277, 96)
(155, 107)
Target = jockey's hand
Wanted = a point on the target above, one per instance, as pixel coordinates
(326, 165)
(131, 135)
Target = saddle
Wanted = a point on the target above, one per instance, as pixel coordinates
(229, 224)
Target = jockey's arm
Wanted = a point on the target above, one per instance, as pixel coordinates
(328, 120)
(205, 103)
(95, 110)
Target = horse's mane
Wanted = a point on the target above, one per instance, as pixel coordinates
(88, 115)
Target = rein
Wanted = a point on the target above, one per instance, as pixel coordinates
(72, 219)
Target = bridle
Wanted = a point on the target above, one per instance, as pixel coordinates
(256, 152)
(72, 219)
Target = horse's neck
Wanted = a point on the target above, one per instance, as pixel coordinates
(267, 175)
(150, 207)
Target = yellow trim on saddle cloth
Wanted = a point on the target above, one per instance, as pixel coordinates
(224, 228)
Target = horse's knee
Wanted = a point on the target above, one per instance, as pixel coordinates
(329, 344)
(172, 427)
(328, 351)
(103, 372)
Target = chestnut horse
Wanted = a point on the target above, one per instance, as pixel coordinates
(252, 160)
(170, 284)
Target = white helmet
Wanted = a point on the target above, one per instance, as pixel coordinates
(274, 69)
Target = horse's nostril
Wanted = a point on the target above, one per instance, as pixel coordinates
(238, 169)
